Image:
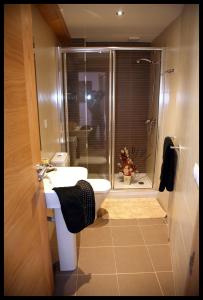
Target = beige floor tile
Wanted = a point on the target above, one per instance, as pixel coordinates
(65, 285)
(154, 221)
(98, 260)
(155, 234)
(132, 259)
(126, 236)
(96, 237)
(99, 222)
(97, 285)
(167, 284)
(144, 284)
(161, 257)
(123, 222)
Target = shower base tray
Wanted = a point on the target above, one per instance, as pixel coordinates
(140, 181)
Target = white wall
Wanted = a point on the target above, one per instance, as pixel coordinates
(179, 116)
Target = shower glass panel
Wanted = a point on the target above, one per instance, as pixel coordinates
(137, 74)
(86, 90)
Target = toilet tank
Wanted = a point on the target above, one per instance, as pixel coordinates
(60, 159)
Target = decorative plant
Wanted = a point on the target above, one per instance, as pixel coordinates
(126, 165)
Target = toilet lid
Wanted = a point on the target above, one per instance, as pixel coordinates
(100, 185)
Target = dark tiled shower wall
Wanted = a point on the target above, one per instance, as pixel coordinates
(132, 102)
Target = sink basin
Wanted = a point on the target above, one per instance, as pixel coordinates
(63, 176)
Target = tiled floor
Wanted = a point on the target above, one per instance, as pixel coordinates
(120, 258)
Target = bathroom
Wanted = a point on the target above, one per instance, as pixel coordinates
(50, 71)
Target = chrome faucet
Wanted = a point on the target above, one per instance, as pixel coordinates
(42, 169)
(42, 173)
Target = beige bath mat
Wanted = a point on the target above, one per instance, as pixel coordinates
(131, 208)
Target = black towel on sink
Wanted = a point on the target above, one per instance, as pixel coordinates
(168, 168)
(77, 205)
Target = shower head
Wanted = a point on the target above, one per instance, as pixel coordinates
(138, 61)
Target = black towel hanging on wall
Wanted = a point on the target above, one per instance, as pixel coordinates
(77, 205)
(168, 168)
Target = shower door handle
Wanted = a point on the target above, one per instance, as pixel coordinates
(147, 121)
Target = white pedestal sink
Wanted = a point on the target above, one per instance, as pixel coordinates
(63, 176)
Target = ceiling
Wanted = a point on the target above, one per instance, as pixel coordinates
(99, 22)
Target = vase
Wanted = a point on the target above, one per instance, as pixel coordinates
(127, 179)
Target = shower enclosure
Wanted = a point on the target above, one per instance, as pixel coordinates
(111, 99)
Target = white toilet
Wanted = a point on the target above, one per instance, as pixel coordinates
(101, 189)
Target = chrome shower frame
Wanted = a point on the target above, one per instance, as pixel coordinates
(112, 86)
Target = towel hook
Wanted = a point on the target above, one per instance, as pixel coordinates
(179, 147)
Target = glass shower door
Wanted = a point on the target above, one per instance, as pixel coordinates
(86, 87)
(137, 74)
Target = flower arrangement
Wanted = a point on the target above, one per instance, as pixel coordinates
(126, 165)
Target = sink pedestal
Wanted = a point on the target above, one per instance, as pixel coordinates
(63, 176)
(66, 243)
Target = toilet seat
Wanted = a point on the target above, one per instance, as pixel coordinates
(100, 185)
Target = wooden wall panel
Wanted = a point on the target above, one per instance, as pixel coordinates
(27, 263)
(54, 19)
